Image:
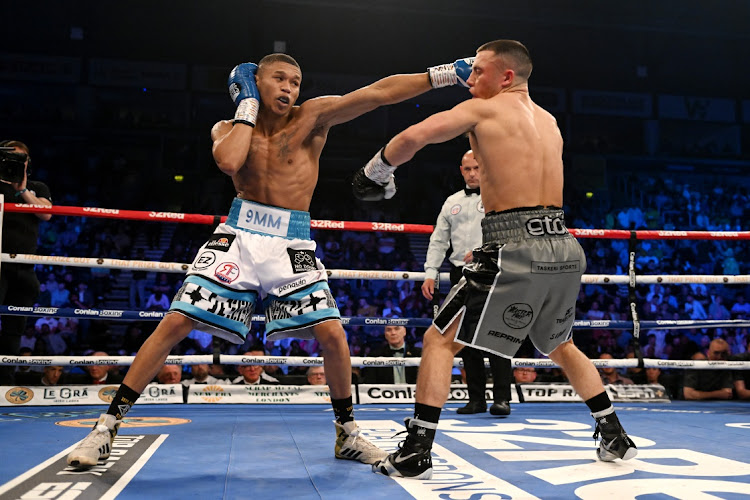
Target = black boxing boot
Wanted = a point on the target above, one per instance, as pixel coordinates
(413, 459)
(615, 443)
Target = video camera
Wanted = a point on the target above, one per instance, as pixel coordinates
(12, 165)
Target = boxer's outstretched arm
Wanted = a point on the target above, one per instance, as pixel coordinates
(334, 110)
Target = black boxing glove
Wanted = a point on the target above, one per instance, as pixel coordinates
(375, 181)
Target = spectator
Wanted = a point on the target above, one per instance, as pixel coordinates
(316, 375)
(51, 282)
(29, 337)
(22, 370)
(51, 375)
(45, 297)
(654, 376)
(157, 301)
(99, 374)
(709, 384)
(595, 313)
(169, 374)
(50, 321)
(391, 311)
(217, 371)
(134, 338)
(694, 309)
(611, 375)
(635, 373)
(54, 343)
(395, 347)
(200, 375)
(365, 309)
(741, 308)
(729, 265)
(295, 349)
(83, 298)
(524, 375)
(254, 374)
(650, 349)
(717, 310)
(60, 297)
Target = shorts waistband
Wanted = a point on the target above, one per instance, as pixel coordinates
(268, 220)
(524, 223)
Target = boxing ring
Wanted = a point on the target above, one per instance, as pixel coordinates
(211, 450)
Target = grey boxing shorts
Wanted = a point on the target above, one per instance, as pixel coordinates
(523, 281)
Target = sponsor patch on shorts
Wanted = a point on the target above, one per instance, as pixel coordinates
(220, 241)
(227, 272)
(302, 260)
(204, 260)
(518, 315)
(572, 266)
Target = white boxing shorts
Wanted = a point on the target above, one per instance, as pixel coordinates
(261, 253)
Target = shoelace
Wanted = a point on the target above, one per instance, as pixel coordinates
(92, 437)
(355, 434)
(597, 432)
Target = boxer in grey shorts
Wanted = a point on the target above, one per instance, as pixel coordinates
(525, 278)
(523, 281)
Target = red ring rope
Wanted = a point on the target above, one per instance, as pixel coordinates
(385, 227)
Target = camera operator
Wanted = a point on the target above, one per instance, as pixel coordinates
(19, 285)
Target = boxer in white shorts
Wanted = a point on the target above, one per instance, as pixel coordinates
(261, 256)
(271, 149)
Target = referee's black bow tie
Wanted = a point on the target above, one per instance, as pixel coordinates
(402, 350)
(469, 191)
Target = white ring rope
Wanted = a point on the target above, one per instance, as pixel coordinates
(357, 361)
(177, 267)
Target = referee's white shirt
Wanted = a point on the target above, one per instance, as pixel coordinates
(458, 226)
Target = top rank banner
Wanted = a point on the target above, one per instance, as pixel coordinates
(560, 393)
(59, 395)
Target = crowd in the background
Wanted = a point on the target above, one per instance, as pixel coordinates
(661, 204)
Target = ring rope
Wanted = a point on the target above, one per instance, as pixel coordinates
(126, 315)
(119, 214)
(177, 267)
(116, 213)
(233, 359)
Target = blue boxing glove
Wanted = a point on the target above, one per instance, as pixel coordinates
(244, 93)
(446, 75)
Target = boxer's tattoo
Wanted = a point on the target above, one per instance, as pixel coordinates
(255, 147)
(284, 148)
